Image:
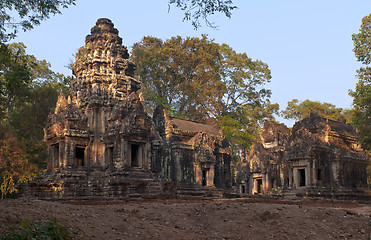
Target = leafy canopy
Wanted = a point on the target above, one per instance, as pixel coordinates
(196, 78)
(194, 10)
(28, 92)
(25, 14)
(362, 93)
(299, 110)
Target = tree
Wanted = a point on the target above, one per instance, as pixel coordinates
(299, 110)
(25, 14)
(362, 93)
(29, 91)
(14, 167)
(15, 76)
(196, 78)
(196, 9)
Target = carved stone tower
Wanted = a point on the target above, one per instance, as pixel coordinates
(103, 124)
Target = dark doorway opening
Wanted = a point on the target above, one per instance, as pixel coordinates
(79, 156)
(110, 155)
(243, 190)
(204, 177)
(302, 177)
(134, 155)
(259, 181)
(319, 174)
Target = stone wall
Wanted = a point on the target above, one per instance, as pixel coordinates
(319, 157)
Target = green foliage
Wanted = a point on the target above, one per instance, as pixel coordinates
(196, 79)
(51, 229)
(14, 167)
(362, 93)
(196, 9)
(25, 14)
(28, 92)
(299, 110)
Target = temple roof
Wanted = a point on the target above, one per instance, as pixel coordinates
(189, 126)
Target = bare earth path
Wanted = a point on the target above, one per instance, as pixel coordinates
(197, 219)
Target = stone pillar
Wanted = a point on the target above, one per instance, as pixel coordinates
(335, 172)
(295, 177)
(148, 155)
(314, 173)
(291, 178)
(255, 186)
(178, 168)
(198, 174)
(264, 183)
(125, 154)
(308, 175)
(210, 176)
(70, 153)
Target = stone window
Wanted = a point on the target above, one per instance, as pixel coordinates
(79, 156)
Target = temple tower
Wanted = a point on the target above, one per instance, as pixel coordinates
(103, 123)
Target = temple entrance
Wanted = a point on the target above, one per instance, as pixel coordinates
(204, 177)
(109, 152)
(136, 155)
(79, 156)
(242, 189)
(259, 183)
(319, 174)
(301, 177)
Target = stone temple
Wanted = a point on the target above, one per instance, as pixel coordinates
(318, 157)
(102, 143)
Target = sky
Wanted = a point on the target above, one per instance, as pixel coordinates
(307, 44)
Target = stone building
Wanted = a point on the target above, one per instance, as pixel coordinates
(319, 157)
(101, 142)
(191, 153)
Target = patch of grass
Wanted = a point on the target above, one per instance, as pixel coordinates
(51, 229)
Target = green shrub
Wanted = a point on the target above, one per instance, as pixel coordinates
(51, 229)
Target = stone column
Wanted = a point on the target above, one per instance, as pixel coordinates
(314, 173)
(178, 169)
(210, 176)
(308, 175)
(295, 177)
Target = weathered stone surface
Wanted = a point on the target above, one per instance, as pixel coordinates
(320, 157)
(102, 143)
(191, 153)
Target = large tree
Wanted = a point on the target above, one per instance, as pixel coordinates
(28, 92)
(14, 167)
(197, 78)
(25, 14)
(362, 93)
(194, 10)
(297, 110)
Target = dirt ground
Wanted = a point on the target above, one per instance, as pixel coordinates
(196, 218)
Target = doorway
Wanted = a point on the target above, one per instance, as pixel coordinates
(301, 177)
(136, 155)
(204, 177)
(79, 156)
(259, 182)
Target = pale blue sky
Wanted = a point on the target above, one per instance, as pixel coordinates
(307, 44)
